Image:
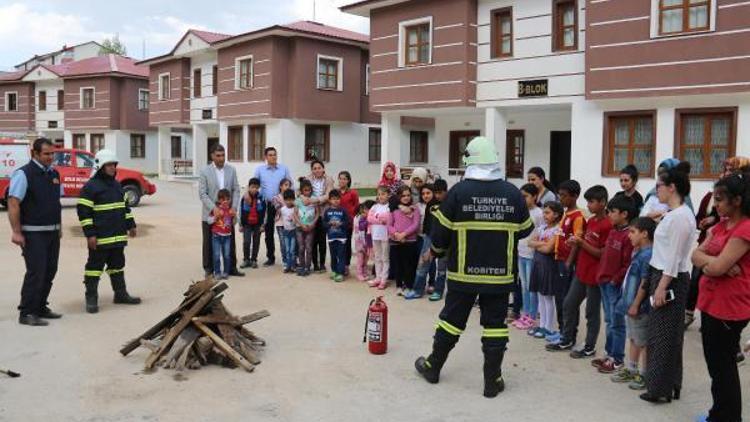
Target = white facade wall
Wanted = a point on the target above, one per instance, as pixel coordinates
(119, 142)
(208, 99)
(52, 113)
(348, 149)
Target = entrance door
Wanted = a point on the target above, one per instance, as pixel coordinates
(559, 157)
(458, 142)
(211, 143)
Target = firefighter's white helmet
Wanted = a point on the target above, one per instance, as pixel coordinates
(480, 151)
(105, 156)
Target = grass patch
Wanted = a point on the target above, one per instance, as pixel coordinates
(367, 192)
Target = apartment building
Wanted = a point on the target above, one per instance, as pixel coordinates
(66, 54)
(91, 104)
(301, 88)
(578, 87)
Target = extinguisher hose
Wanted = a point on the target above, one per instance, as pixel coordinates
(367, 318)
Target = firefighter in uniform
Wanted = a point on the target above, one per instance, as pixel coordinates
(107, 221)
(478, 226)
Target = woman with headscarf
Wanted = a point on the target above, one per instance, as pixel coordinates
(653, 208)
(419, 177)
(390, 178)
(706, 218)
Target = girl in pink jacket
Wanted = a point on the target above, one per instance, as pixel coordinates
(403, 231)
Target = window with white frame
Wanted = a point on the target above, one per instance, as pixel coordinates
(678, 17)
(243, 72)
(87, 98)
(11, 101)
(330, 73)
(367, 79)
(415, 42)
(143, 96)
(165, 89)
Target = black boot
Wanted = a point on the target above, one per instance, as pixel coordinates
(430, 367)
(493, 373)
(92, 296)
(121, 294)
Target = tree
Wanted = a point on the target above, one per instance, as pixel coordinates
(113, 46)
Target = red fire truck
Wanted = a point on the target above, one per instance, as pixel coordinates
(75, 167)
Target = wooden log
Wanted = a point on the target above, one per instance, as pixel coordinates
(150, 345)
(184, 341)
(252, 337)
(183, 322)
(254, 317)
(247, 350)
(182, 360)
(224, 347)
(167, 321)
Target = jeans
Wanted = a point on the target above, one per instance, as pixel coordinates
(615, 322)
(530, 299)
(221, 250)
(423, 270)
(250, 242)
(208, 254)
(288, 247)
(338, 255)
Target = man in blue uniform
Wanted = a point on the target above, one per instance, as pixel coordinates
(478, 227)
(35, 214)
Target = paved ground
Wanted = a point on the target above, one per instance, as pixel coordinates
(315, 367)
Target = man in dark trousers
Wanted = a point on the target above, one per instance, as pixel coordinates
(477, 227)
(107, 222)
(35, 215)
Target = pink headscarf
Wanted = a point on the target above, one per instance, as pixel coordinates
(392, 184)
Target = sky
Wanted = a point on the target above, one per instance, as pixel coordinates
(32, 27)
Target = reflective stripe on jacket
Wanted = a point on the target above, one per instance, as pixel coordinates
(103, 212)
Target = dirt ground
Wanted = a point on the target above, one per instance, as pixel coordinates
(315, 367)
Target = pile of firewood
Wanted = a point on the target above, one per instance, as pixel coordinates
(199, 332)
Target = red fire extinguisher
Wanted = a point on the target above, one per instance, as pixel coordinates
(376, 327)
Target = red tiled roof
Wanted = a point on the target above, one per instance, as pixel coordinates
(328, 31)
(110, 63)
(209, 37)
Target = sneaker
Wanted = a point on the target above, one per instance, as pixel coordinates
(623, 375)
(598, 362)
(435, 296)
(412, 294)
(400, 291)
(541, 333)
(245, 263)
(611, 366)
(638, 383)
(532, 331)
(300, 272)
(253, 264)
(332, 276)
(586, 352)
(338, 278)
(740, 358)
(553, 337)
(269, 263)
(559, 347)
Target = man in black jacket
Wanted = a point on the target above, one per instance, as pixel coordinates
(477, 228)
(107, 222)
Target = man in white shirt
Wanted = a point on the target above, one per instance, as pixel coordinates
(214, 177)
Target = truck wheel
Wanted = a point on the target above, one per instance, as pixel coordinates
(132, 195)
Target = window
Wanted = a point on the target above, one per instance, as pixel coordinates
(417, 44)
(85, 161)
(458, 142)
(60, 99)
(42, 106)
(165, 89)
(197, 83)
(706, 138)
(62, 159)
(234, 152)
(374, 145)
(87, 98)
(137, 146)
(501, 29)
(329, 71)
(317, 142)
(215, 80)
(52, 124)
(11, 101)
(79, 141)
(243, 72)
(630, 138)
(677, 16)
(515, 141)
(367, 79)
(176, 142)
(418, 146)
(207, 114)
(143, 97)
(256, 136)
(97, 143)
(565, 22)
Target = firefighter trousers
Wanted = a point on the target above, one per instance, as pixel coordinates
(452, 323)
(114, 261)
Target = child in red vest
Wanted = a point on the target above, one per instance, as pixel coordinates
(221, 230)
(252, 214)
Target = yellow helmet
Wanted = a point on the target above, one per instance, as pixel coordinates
(480, 151)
